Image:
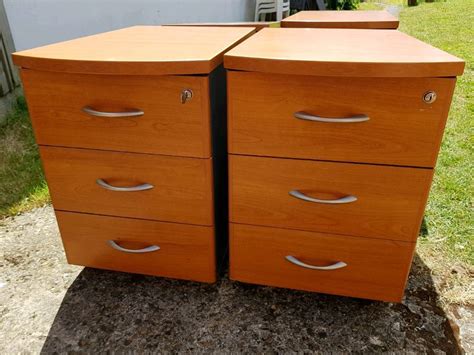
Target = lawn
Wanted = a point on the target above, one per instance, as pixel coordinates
(448, 239)
(22, 184)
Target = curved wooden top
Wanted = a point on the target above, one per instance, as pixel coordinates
(139, 50)
(258, 25)
(341, 52)
(342, 19)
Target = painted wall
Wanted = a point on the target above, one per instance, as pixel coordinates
(38, 22)
(9, 79)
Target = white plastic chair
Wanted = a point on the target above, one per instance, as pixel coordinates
(264, 7)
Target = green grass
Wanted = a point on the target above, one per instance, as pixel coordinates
(450, 212)
(378, 5)
(22, 184)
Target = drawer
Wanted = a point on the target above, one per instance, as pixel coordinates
(342, 198)
(352, 266)
(56, 102)
(131, 245)
(180, 191)
(401, 130)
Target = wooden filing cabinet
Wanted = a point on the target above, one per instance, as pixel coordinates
(131, 130)
(374, 19)
(333, 138)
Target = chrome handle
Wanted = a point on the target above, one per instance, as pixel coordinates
(105, 185)
(353, 119)
(338, 265)
(302, 196)
(149, 249)
(133, 113)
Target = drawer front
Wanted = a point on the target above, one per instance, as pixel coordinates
(402, 129)
(181, 188)
(353, 199)
(167, 126)
(352, 266)
(365, 25)
(342, 19)
(185, 252)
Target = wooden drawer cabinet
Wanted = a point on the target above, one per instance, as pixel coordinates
(375, 201)
(131, 128)
(342, 19)
(333, 136)
(367, 120)
(329, 263)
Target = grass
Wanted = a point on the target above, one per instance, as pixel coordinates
(22, 184)
(448, 244)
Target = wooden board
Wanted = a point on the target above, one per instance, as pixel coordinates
(402, 129)
(341, 52)
(258, 25)
(342, 19)
(376, 269)
(390, 200)
(56, 100)
(138, 50)
(182, 186)
(186, 252)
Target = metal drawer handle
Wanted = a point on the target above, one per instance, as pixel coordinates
(149, 249)
(353, 119)
(338, 265)
(133, 113)
(105, 185)
(302, 196)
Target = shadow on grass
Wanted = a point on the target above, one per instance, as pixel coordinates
(22, 183)
(423, 229)
(116, 312)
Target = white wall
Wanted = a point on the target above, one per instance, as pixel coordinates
(38, 22)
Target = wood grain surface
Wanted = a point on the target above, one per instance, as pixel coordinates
(342, 19)
(376, 269)
(390, 200)
(55, 102)
(182, 186)
(186, 252)
(402, 129)
(341, 52)
(138, 50)
(257, 25)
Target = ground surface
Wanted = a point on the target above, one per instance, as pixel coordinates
(48, 306)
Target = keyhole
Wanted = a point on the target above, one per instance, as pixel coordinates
(186, 95)
(429, 97)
